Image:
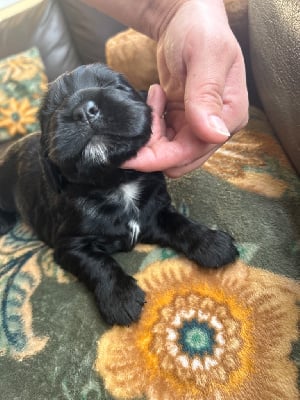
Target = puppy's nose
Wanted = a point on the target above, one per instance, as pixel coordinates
(86, 111)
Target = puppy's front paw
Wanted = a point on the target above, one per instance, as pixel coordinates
(216, 248)
(123, 303)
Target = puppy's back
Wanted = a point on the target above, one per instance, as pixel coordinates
(15, 156)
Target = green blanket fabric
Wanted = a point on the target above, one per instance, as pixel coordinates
(226, 334)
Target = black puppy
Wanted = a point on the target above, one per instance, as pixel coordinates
(65, 182)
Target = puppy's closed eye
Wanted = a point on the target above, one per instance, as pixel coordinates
(102, 121)
(122, 87)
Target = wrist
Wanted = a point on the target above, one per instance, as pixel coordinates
(157, 16)
(149, 17)
(161, 12)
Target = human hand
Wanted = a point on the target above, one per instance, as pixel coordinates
(202, 72)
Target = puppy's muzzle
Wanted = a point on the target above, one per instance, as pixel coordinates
(86, 112)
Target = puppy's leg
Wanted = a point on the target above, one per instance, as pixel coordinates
(207, 247)
(118, 297)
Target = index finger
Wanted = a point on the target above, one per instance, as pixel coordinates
(165, 154)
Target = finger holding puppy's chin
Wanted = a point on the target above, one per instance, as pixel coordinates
(174, 157)
(175, 151)
(147, 158)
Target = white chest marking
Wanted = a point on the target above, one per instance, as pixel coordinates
(135, 230)
(130, 193)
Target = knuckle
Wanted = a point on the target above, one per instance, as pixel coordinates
(207, 93)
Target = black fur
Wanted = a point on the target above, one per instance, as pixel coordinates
(65, 182)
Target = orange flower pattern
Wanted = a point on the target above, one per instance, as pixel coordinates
(23, 67)
(22, 83)
(253, 160)
(205, 335)
(17, 116)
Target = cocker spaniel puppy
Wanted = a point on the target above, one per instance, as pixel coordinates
(66, 183)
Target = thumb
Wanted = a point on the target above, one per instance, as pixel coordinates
(204, 88)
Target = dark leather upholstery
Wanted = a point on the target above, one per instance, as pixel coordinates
(41, 25)
(67, 32)
(89, 29)
(275, 53)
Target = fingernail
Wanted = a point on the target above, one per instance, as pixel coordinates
(218, 125)
(150, 93)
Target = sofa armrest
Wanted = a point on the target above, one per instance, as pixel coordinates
(275, 52)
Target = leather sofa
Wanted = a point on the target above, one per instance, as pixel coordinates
(274, 30)
(69, 33)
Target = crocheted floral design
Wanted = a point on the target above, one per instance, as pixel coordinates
(253, 160)
(23, 66)
(205, 335)
(24, 261)
(17, 115)
(22, 84)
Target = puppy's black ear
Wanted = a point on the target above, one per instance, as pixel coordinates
(53, 175)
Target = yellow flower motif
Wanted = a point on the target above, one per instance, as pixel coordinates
(22, 68)
(204, 334)
(16, 115)
(247, 159)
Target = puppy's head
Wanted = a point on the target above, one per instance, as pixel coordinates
(92, 119)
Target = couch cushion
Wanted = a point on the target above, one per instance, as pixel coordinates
(134, 55)
(22, 83)
(89, 28)
(275, 52)
(38, 23)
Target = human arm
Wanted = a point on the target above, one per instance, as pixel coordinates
(201, 70)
